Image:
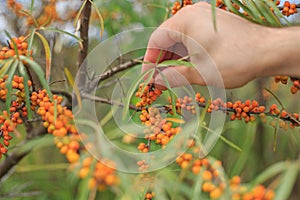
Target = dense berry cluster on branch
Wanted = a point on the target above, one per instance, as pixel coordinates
(214, 183)
(22, 48)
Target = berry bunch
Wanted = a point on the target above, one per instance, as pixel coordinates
(296, 85)
(284, 80)
(240, 192)
(213, 182)
(9, 121)
(177, 5)
(57, 119)
(147, 96)
(103, 174)
(289, 9)
(69, 146)
(22, 46)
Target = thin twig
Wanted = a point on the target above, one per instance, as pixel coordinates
(113, 71)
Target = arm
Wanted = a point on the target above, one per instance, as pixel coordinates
(240, 50)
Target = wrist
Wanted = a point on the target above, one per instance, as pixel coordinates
(281, 52)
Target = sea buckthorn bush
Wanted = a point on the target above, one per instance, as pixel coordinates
(256, 156)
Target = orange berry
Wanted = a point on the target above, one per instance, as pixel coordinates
(84, 172)
(216, 193)
(207, 175)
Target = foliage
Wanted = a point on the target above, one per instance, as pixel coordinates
(36, 111)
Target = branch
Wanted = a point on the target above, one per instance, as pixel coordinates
(84, 35)
(107, 101)
(168, 109)
(113, 71)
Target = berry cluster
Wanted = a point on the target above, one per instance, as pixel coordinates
(69, 146)
(22, 46)
(240, 192)
(213, 182)
(9, 121)
(289, 9)
(296, 85)
(158, 129)
(147, 96)
(284, 80)
(248, 111)
(177, 5)
(103, 174)
(57, 119)
(185, 103)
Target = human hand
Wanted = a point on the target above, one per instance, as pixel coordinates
(229, 57)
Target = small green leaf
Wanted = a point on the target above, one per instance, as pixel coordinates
(6, 66)
(47, 55)
(27, 98)
(75, 88)
(175, 63)
(11, 73)
(40, 74)
(13, 42)
(29, 15)
(31, 6)
(30, 43)
(79, 12)
(61, 31)
(225, 140)
(213, 12)
(277, 99)
(287, 182)
(100, 17)
(269, 173)
(171, 92)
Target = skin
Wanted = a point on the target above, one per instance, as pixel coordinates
(241, 50)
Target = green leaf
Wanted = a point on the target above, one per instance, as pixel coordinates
(278, 13)
(31, 6)
(225, 140)
(61, 31)
(27, 98)
(13, 42)
(11, 73)
(42, 141)
(132, 89)
(75, 88)
(213, 12)
(287, 182)
(175, 63)
(79, 12)
(30, 43)
(269, 173)
(29, 15)
(40, 74)
(274, 95)
(256, 13)
(47, 55)
(170, 91)
(100, 17)
(247, 149)
(6, 66)
(267, 13)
